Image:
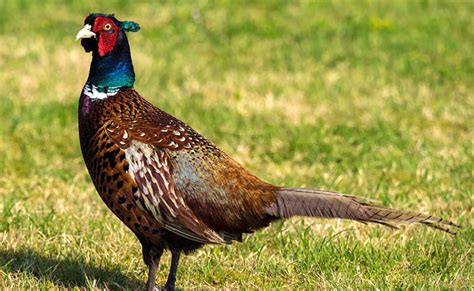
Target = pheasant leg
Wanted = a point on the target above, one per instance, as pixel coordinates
(170, 283)
(152, 256)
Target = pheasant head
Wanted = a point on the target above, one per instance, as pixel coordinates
(103, 32)
(105, 36)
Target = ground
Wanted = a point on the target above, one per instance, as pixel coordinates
(373, 98)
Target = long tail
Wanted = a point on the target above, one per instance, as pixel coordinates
(317, 203)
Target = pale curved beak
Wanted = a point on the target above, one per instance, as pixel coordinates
(85, 32)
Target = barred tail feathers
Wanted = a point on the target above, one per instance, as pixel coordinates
(318, 203)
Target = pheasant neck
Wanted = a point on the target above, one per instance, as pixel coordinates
(109, 73)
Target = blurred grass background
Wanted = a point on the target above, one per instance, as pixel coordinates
(373, 98)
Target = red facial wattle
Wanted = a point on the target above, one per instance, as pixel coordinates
(107, 31)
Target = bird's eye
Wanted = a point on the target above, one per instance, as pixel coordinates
(107, 26)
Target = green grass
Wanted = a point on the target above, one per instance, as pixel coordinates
(373, 98)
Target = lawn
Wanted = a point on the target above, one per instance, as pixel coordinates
(374, 98)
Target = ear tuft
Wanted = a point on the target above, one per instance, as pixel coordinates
(130, 26)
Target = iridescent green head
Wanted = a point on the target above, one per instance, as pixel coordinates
(105, 36)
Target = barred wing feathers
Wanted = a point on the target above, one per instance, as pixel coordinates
(151, 169)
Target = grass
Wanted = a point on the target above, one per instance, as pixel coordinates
(367, 97)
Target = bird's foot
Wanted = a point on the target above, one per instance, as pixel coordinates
(169, 287)
(166, 288)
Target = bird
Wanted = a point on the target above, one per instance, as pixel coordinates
(171, 186)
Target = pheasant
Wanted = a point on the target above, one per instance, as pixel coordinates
(173, 188)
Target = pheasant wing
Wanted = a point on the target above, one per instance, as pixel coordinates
(150, 167)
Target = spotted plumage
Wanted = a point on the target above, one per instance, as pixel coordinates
(171, 186)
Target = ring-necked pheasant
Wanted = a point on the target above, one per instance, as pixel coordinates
(171, 186)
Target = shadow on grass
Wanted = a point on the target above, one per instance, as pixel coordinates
(66, 273)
